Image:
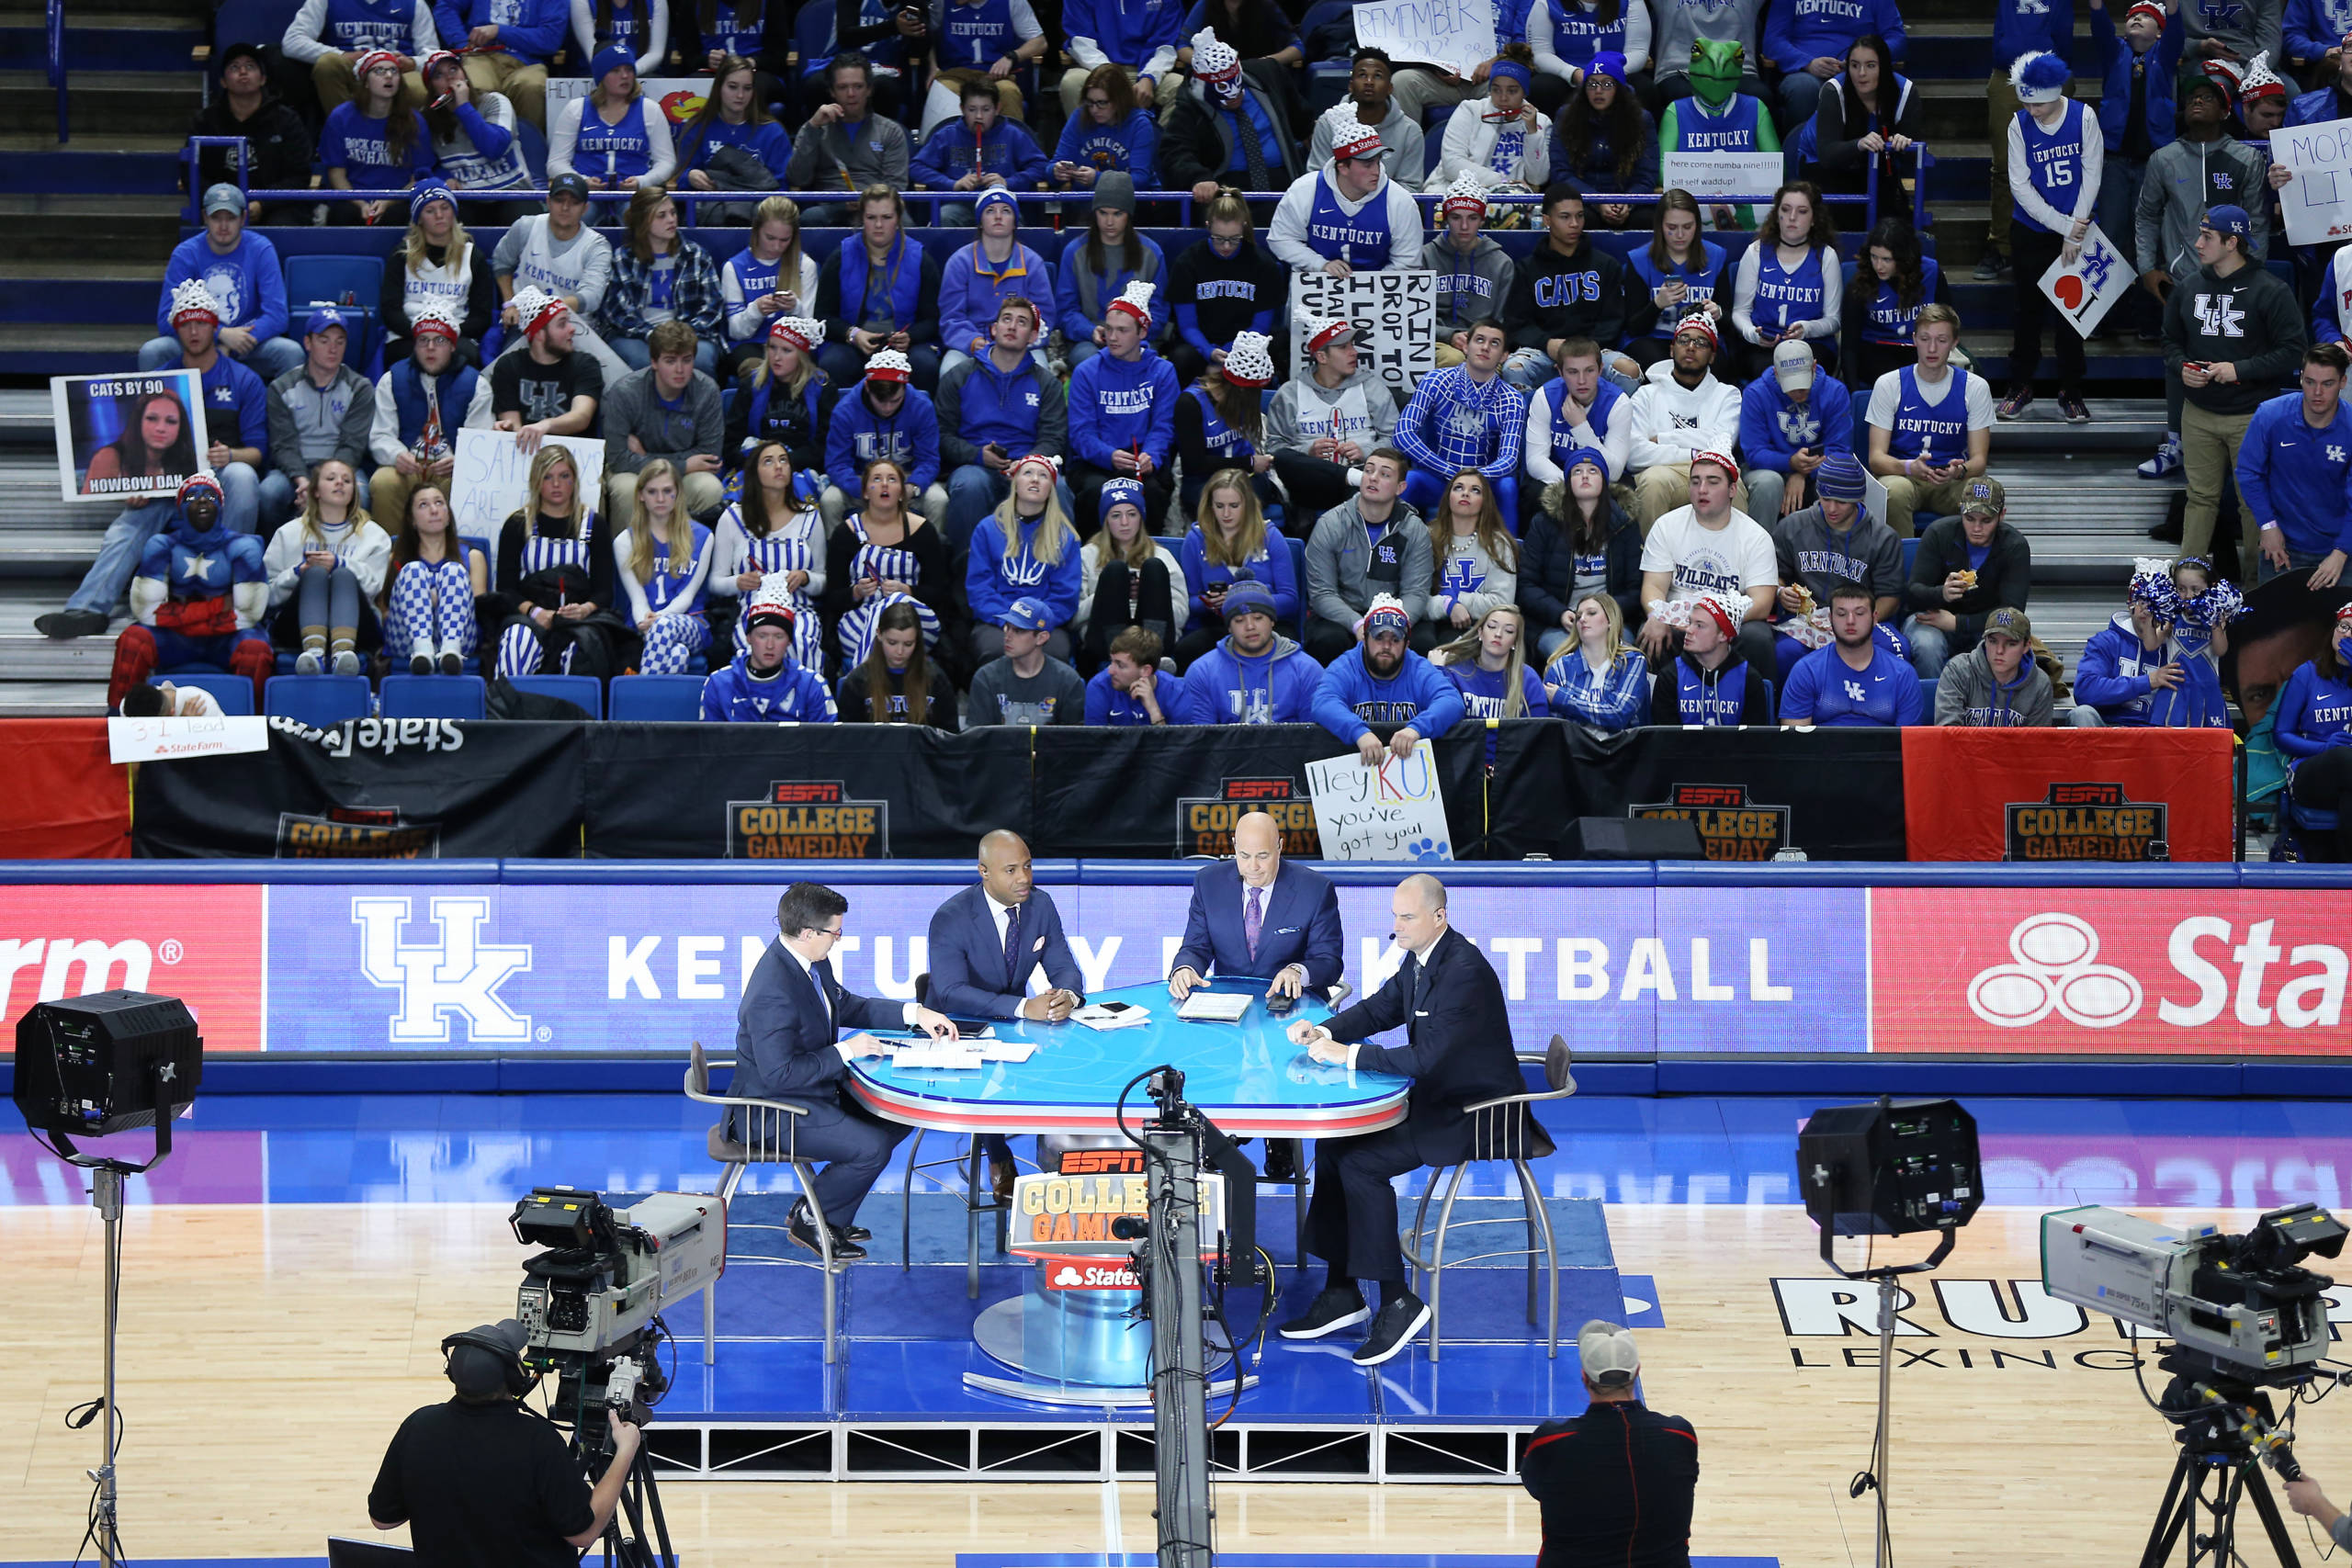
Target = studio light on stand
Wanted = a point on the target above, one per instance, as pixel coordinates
(87, 1069)
(1890, 1167)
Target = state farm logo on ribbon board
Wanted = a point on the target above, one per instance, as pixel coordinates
(2097, 971)
(201, 944)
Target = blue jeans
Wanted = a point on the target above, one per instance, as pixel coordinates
(633, 353)
(271, 358)
(1424, 491)
(974, 492)
(1931, 648)
(278, 497)
(1794, 100)
(2296, 561)
(1548, 643)
(126, 536)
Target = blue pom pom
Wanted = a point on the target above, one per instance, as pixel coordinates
(2043, 72)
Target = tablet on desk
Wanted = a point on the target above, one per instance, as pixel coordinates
(1215, 1006)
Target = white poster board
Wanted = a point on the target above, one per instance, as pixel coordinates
(2088, 291)
(679, 96)
(128, 437)
(162, 739)
(1459, 33)
(491, 473)
(2317, 203)
(1714, 176)
(1394, 313)
(1394, 812)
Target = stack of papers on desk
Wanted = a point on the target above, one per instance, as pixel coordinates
(924, 1054)
(1215, 1006)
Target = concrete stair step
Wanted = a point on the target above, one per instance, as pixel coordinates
(148, 102)
(31, 656)
(48, 552)
(52, 699)
(52, 349)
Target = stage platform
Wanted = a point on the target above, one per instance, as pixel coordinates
(896, 1406)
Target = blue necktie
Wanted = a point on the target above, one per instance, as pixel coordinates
(822, 973)
(1013, 946)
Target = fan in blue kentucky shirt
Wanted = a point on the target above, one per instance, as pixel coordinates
(1381, 680)
(1462, 419)
(1854, 681)
(766, 684)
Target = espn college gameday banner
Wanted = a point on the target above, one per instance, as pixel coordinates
(2061, 795)
(2164, 971)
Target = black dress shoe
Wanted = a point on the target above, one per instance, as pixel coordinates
(1402, 1315)
(1282, 1159)
(1340, 1306)
(853, 1233)
(65, 624)
(803, 1230)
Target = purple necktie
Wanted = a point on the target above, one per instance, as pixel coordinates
(1012, 969)
(1251, 917)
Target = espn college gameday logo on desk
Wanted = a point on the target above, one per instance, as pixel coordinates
(806, 820)
(2087, 821)
(2045, 971)
(1731, 827)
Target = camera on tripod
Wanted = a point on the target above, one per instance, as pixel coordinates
(609, 1272)
(2238, 1306)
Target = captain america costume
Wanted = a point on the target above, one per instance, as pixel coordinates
(198, 598)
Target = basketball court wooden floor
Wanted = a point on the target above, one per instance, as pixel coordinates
(279, 1319)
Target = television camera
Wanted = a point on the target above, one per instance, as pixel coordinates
(2243, 1316)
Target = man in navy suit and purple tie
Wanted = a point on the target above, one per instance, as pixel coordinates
(1254, 915)
(790, 1047)
(986, 943)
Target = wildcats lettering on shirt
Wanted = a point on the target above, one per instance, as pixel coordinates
(1388, 713)
(1560, 289)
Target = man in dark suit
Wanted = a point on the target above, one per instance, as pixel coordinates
(788, 1047)
(986, 942)
(1253, 915)
(1457, 1050)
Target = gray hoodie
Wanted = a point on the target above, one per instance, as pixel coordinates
(308, 424)
(1468, 287)
(823, 155)
(1339, 564)
(2250, 27)
(1966, 697)
(1361, 409)
(1403, 150)
(1682, 23)
(632, 408)
(2183, 179)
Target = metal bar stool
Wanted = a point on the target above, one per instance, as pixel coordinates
(1500, 1130)
(969, 1159)
(771, 1134)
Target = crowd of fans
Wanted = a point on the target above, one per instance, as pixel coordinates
(901, 481)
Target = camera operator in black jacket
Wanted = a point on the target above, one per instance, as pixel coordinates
(482, 1482)
(1616, 1482)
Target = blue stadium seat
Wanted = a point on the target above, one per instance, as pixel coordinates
(1298, 561)
(433, 696)
(320, 700)
(535, 149)
(656, 699)
(1910, 554)
(230, 694)
(251, 21)
(359, 280)
(582, 691)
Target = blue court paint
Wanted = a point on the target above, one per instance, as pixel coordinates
(1700, 1151)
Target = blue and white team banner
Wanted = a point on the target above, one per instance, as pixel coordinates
(129, 438)
(500, 968)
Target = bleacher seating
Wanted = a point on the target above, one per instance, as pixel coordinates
(433, 696)
(318, 700)
(582, 691)
(655, 699)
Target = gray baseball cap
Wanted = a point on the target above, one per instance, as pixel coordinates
(1606, 1350)
(224, 197)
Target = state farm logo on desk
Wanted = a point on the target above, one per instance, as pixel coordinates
(1091, 1277)
(2082, 971)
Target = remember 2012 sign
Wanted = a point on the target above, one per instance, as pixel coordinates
(1459, 33)
(1394, 313)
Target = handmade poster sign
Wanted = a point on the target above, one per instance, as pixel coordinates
(491, 474)
(1395, 315)
(1393, 812)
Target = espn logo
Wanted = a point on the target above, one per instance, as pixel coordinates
(1101, 1162)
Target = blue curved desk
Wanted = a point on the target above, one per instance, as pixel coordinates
(1246, 1076)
